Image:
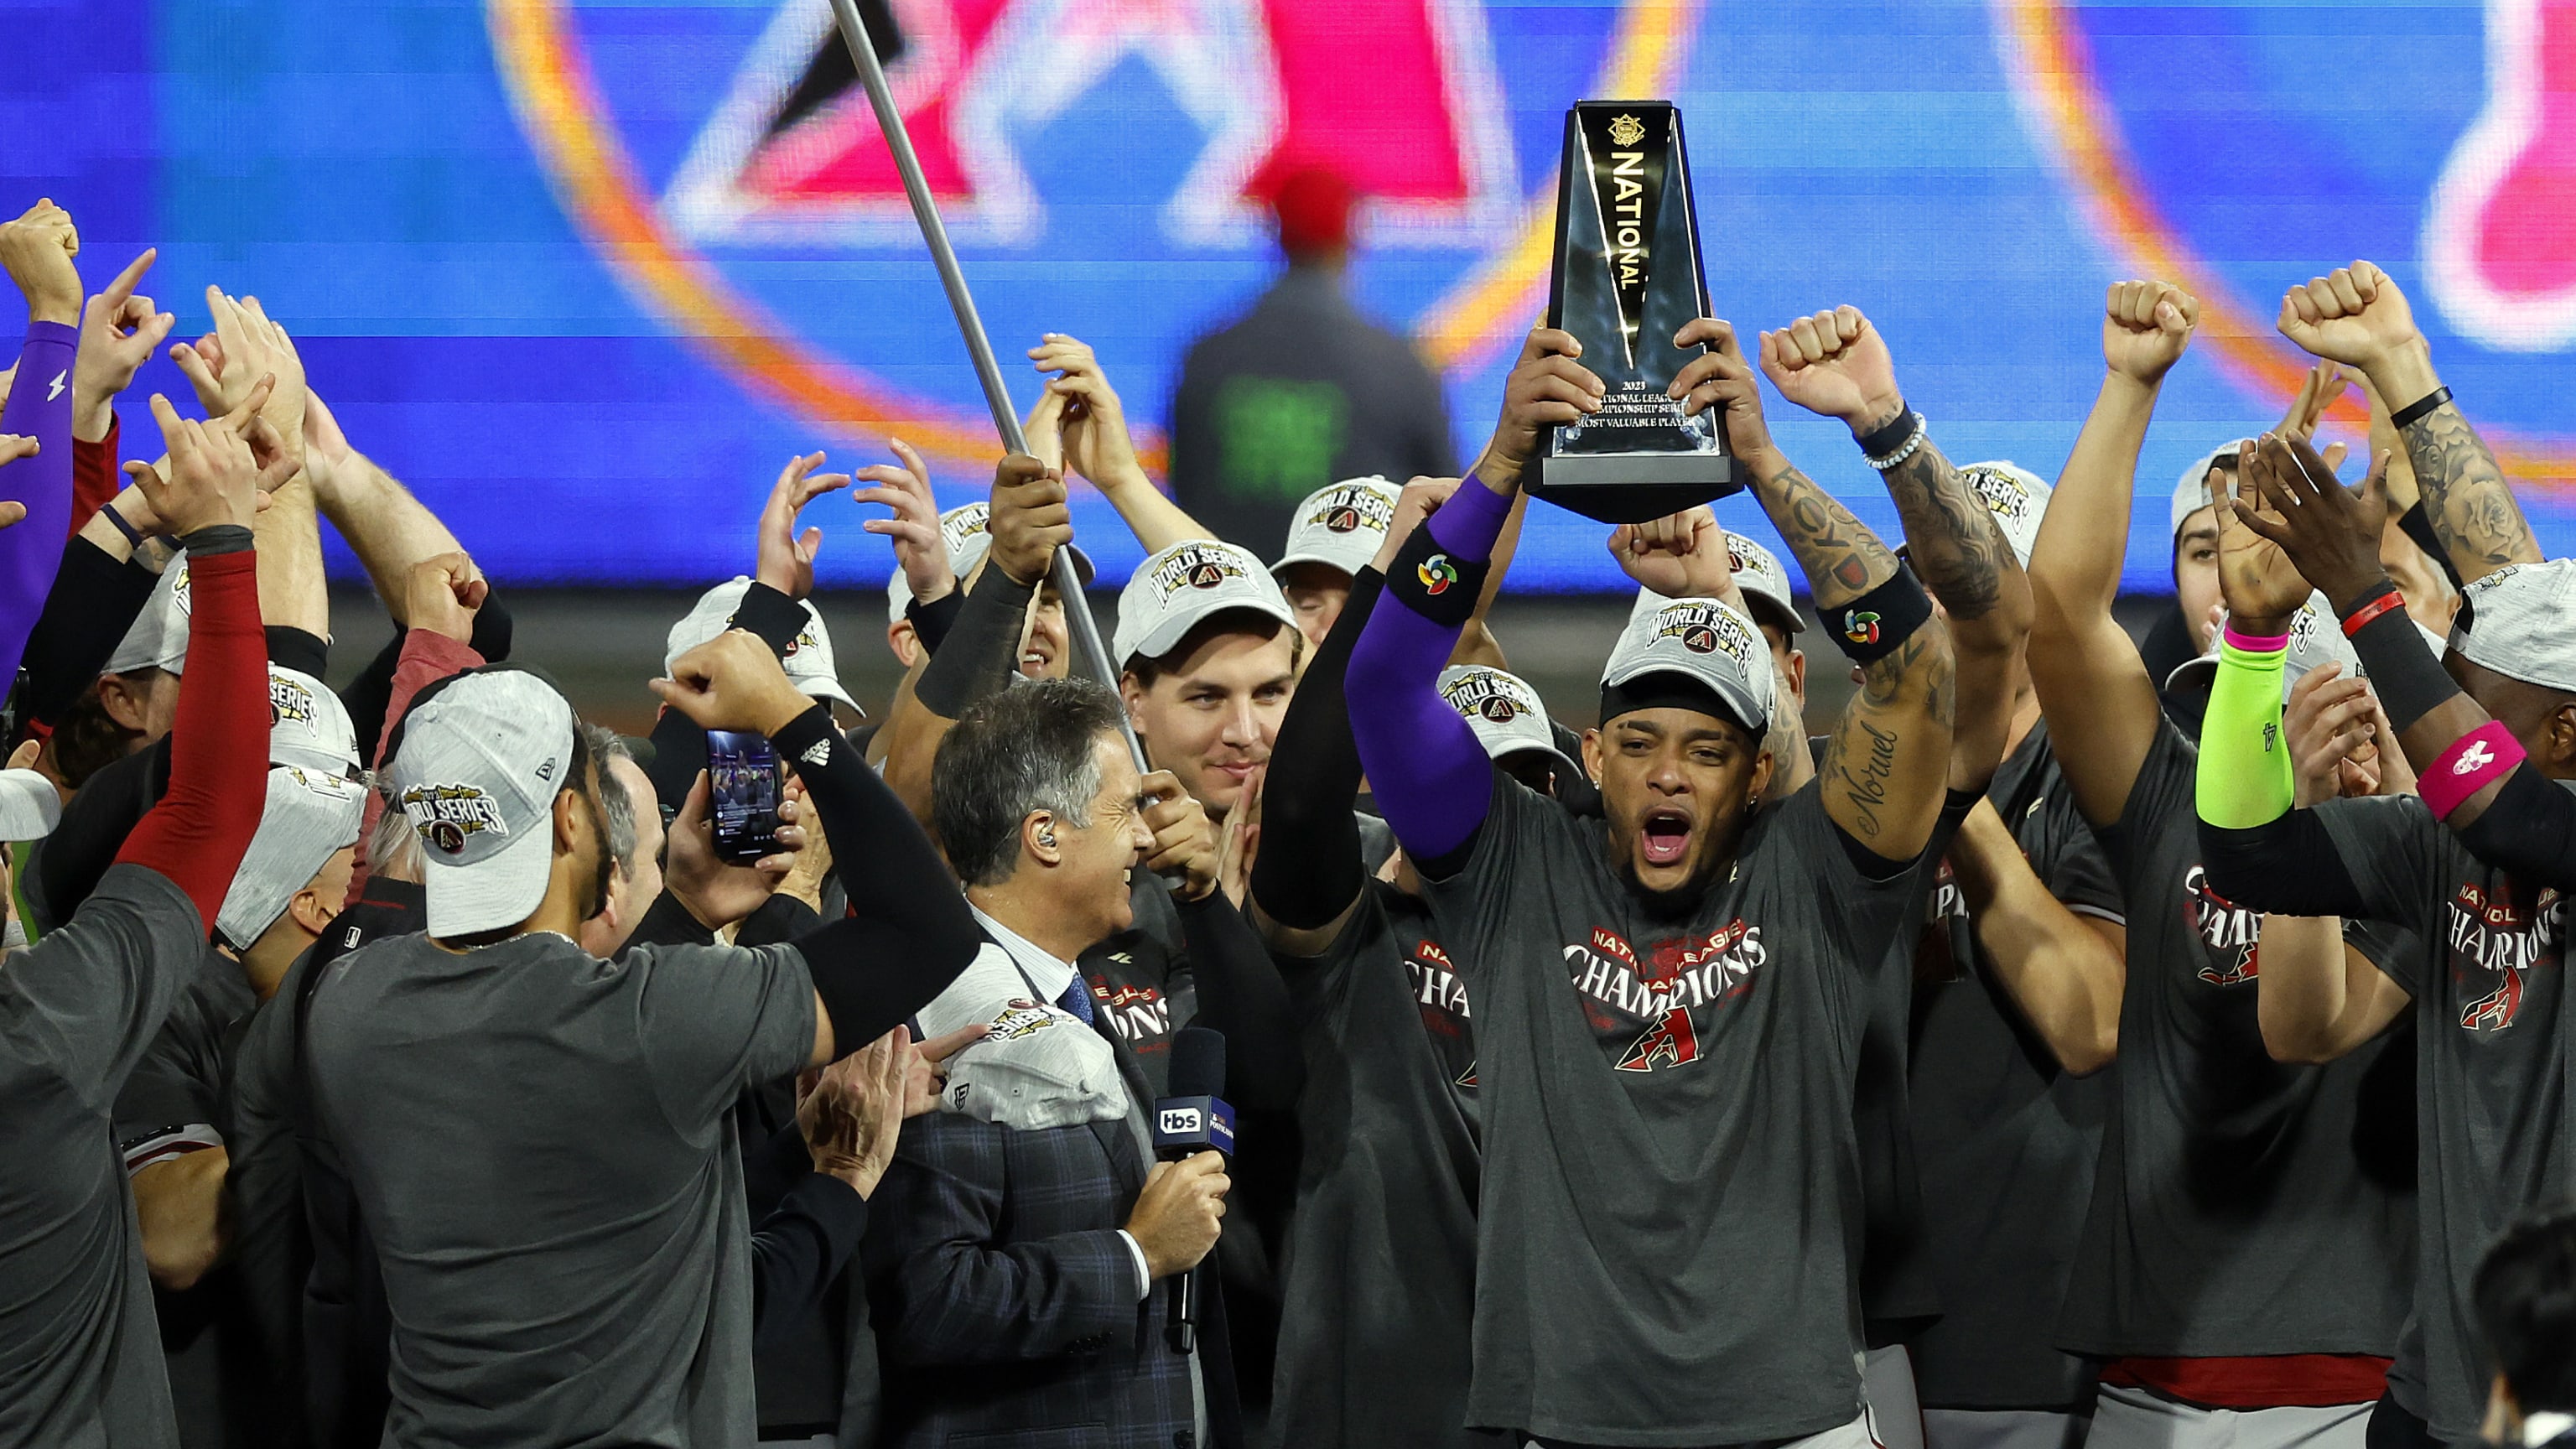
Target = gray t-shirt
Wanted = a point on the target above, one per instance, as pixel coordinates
(543, 1146)
(1668, 1239)
(2005, 1140)
(1380, 1275)
(80, 1360)
(2496, 1100)
(2241, 1206)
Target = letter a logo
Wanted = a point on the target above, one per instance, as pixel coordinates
(1670, 1042)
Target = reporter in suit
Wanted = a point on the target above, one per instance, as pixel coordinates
(1014, 1273)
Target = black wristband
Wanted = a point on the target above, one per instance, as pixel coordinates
(1871, 627)
(2420, 409)
(123, 525)
(932, 621)
(1435, 583)
(2408, 675)
(1888, 439)
(772, 615)
(217, 538)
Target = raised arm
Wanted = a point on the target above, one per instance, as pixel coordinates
(2065, 972)
(1837, 365)
(1429, 775)
(2102, 708)
(2356, 316)
(37, 251)
(293, 593)
(1097, 444)
(1882, 773)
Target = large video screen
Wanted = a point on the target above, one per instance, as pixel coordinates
(586, 272)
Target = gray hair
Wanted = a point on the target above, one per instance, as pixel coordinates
(1015, 753)
(616, 806)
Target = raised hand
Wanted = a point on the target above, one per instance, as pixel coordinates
(1722, 378)
(1239, 839)
(732, 682)
(1546, 388)
(1096, 440)
(1415, 504)
(118, 331)
(1682, 556)
(220, 470)
(919, 550)
(1836, 365)
(247, 345)
(37, 251)
(2145, 328)
(1030, 519)
(2261, 586)
(2353, 315)
(2332, 726)
(2330, 533)
(443, 595)
(786, 561)
(1186, 847)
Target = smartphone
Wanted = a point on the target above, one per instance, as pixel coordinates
(743, 787)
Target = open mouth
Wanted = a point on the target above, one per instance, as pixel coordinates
(1665, 838)
(1033, 662)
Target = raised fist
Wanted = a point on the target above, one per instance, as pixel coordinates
(1834, 364)
(2145, 327)
(2353, 315)
(1030, 520)
(37, 250)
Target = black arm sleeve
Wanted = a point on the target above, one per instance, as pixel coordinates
(668, 923)
(299, 649)
(932, 622)
(1309, 870)
(2289, 866)
(909, 933)
(982, 649)
(1242, 995)
(2416, 524)
(94, 600)
(800, 1248)
(780, 918)
(679, 753)
(776, 618)
(2530, 830)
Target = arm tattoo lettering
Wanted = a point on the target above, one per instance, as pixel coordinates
(1948, 532)
(1860, 757)
(2465, 494)
(1841, 558)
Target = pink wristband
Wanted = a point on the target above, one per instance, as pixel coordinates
(2254, 643)
(2472, 762)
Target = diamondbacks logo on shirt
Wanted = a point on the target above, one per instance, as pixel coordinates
(1680, 976)
(2231, 934)
(1437, 986)
(447, 816)
(2495, 944)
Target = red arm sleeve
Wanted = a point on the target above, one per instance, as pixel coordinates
(95, 478)
(427, 657)
(219, 741)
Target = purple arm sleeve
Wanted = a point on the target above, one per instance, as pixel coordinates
(1430, 776)
(40, 406)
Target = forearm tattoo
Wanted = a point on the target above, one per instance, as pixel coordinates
(2465, 493)
(1860, 756)
(1840, 556)
(1949, 533)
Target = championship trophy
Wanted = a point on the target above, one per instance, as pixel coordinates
(1627, 277)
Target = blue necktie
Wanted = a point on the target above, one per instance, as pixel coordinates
(1077, 999)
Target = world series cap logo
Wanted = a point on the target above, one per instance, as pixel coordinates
(447, 816)
(1706, 628)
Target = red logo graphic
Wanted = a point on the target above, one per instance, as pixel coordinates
(2494, 939)
(1342, 520)
(1671, 1042)
(2232, 934)
(1701, 639)
(1206, 576)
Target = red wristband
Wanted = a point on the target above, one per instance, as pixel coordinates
(2354, 621)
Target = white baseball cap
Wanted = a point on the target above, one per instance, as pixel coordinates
(2191, 490)
(158, 638)
(809, 655)
(1505, 713)
(308, 726)
(1181, 587)
(2017, 497)
(1765, 584)
(964, 531)
(2518, 621)
(1341, 526)
(2316, 639)
(308, 818)
(30, 806)
(1036, 1066)
(1705, 642)
(476, 766)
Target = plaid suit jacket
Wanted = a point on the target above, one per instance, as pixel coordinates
(1005, 1301)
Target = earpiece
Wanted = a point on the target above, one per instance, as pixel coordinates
(1046, 836)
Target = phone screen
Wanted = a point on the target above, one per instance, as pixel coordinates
(743, 782)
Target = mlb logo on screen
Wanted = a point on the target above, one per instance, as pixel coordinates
(1179, 1121)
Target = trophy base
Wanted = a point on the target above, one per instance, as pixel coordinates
(1631, 487)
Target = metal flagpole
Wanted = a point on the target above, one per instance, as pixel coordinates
(1006, 420)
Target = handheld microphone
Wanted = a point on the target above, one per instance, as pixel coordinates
(1191, 1120)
